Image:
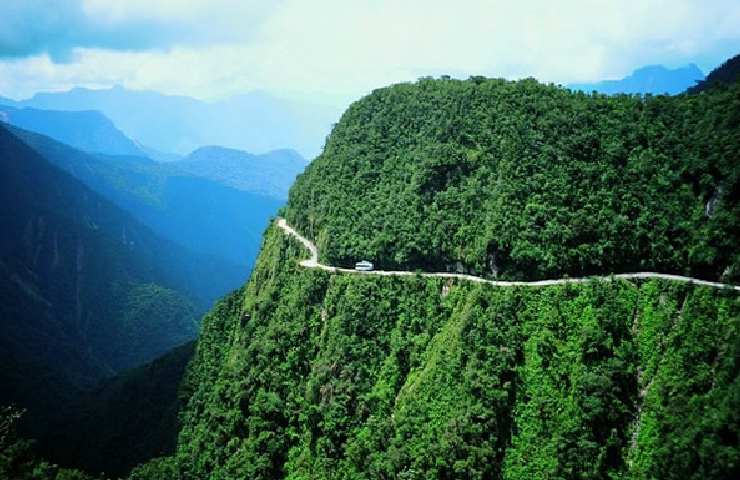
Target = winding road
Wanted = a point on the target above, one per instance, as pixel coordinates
(313, 262)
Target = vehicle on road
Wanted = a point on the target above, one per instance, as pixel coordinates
(364, 266)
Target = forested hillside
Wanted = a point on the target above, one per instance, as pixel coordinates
(123, 421)
(521, 180)
(305, 374)
(725, 75)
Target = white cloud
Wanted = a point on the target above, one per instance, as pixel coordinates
(347, 48)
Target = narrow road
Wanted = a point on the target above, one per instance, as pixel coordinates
(313, 262)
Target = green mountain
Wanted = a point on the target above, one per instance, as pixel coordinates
(312, 374)
(123, 421)
(86, 130)
(520, 180)
(270, 174)
(726, 74)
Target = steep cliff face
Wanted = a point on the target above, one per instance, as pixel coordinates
(306, 374)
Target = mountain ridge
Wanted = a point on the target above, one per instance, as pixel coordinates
(80, 262)
(270, 174)
(200, 214)
(256, 122)
(87, 130)
(653, 79)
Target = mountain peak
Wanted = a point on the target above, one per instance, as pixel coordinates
(655, 79)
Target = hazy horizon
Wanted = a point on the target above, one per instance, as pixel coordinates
(332, 52)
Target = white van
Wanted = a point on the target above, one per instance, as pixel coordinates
(363, 266)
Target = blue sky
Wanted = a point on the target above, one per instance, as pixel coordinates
(334, 50)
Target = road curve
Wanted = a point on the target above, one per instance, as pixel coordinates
(313, 262)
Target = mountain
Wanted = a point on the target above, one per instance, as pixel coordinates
(256, 122)
(308, 373)
(200, 214)
(86, 130)
(87, 290)
(270, 174)
(726, 74)
(655, 79)
(537, 182)
(565, 185)
(158, 156)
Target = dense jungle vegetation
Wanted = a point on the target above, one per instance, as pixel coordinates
(526, 181)
(304, 374)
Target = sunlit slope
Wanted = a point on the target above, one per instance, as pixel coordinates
(308, 374)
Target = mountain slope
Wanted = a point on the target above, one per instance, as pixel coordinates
(726, 74)
(307, 373)
(85, 288)
(519, 180)
(200, 214)
(90, 131)
(86, 292)
(655, 79)
(270, 174)
(123, 421)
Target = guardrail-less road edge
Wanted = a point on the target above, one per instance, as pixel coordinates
(313, 262)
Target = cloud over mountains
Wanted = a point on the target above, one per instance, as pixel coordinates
(59, 27)
(216, 48)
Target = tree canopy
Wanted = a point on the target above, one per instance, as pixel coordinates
(526, 181)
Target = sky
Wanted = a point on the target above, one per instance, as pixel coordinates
(332, 51)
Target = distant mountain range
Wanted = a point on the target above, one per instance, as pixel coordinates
(655, 79)
(87, 130)
(201, 214)
(86, 289)
(256, 122)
